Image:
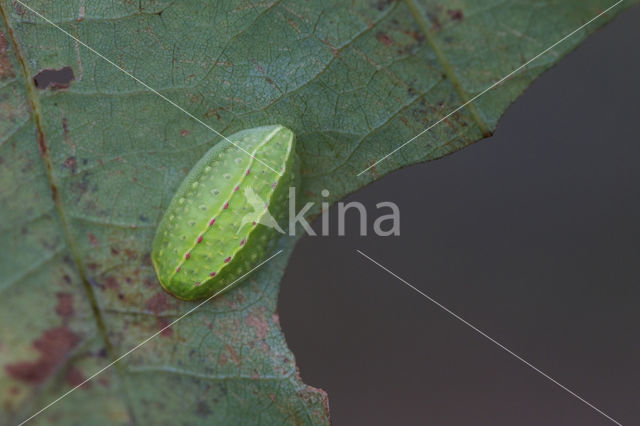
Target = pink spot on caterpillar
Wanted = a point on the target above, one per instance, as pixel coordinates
(199, 239)
(213, 274)
(274, 184)
(242, 242)
(226, 205)
(187, 256)
(236, 188)
(178, 269)
(253, 223)
(197, 283)
(227, 260)
(248, 171)
(211, 222)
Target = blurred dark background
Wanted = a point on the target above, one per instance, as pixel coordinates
(531, 235)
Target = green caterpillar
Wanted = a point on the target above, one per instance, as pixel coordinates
(216, 227)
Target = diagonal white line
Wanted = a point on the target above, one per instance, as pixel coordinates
(145, 85)
(500, 345)
(146, 340)
(490, 87)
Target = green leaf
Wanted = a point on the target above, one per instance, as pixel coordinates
(87, 168)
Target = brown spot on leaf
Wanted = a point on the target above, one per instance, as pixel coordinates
(435, 22)
(163, 325)
(64, 308)
(293, 25)
(373, 168)
(213, 112)
(233, 354)
(203, 409)
(259, 324)
(455, 14)
(54, 79)
(418, 36)
(6, 71)
(54, 193)
(146, 259)
(42, 147)
(93, 240)
(184, 132)
(111, 283)
(276, 319)
(384, 38)
(71, 163)
(130, 254)
(54, 344)
(158, 303)
(75, 377)
(383, 4)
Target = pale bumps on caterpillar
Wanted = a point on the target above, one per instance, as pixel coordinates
(225, 214)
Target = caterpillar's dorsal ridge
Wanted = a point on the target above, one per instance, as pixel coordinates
(193, 258)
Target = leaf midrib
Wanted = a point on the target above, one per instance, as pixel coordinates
(34, 101)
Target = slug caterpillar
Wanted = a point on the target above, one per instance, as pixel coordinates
(224, 216)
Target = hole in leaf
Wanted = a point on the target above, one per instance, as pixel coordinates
(55, 79)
